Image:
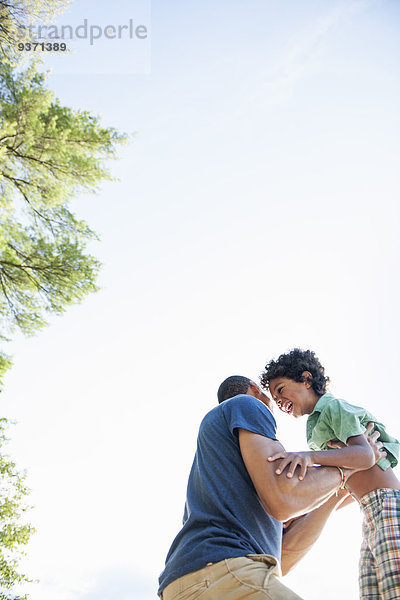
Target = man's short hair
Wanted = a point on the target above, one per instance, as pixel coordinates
(232, 386)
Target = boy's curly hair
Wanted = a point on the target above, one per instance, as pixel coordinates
(292, 365)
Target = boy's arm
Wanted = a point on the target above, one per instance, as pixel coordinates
(358, 454)
(281, 497)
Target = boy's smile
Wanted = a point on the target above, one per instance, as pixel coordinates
(293, 397)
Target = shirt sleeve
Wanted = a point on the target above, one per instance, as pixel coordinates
(246, 412)
(341, 420)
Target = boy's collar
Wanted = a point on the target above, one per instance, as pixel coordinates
(322, 402)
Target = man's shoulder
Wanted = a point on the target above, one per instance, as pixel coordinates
(239, 399)
(239, 402)
(247, 412)
(246, 402)
(242, 411)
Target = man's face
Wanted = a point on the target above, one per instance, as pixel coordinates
(292, 397)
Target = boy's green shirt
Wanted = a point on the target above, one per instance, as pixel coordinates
(334, 419)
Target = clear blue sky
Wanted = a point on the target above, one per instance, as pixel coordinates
(256, 209)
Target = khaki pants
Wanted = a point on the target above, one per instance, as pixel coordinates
(249, 577)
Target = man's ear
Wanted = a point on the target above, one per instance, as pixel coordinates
(256, 391)
(307, 378)
(254, 388)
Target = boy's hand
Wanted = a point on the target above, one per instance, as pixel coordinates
(293, 459)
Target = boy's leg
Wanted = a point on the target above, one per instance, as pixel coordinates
(387, 546)
(244, 578)
(380, 552)
(368, 581)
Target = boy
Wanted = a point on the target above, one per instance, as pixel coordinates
(297, 383)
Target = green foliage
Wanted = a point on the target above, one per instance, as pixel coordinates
(15, 18)
(5, 364)
(48, 154)
(14, 533)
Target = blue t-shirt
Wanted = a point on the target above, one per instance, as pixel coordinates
(223, 515)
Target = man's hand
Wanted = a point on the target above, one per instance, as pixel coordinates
(293, 460)
(373, 440)
(300, 533)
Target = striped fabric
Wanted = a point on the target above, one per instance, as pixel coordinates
(380, 550)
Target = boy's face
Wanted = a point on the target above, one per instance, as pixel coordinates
(292, 397)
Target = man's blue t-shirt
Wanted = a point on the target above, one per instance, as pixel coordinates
(223, 515)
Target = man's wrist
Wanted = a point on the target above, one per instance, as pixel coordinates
(343, 478)
(348, 473)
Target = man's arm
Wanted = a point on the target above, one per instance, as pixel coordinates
(282, 497)
(301, 534)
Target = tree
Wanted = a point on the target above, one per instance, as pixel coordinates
(13, 534)
(49, 154)
(15, 18)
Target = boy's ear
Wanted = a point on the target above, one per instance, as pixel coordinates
(307, 378)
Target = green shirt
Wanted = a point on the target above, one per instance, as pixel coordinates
(334, 419)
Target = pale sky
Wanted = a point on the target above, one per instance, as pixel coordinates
(256, 210)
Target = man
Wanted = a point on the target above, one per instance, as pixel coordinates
(230, 545)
